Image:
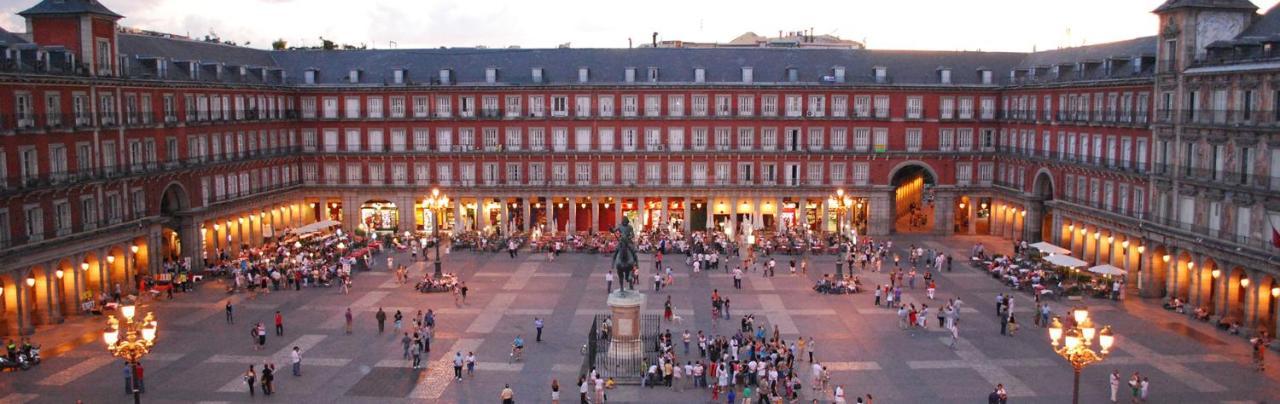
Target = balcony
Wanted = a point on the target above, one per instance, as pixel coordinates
(1222, 118)
(1221, 178)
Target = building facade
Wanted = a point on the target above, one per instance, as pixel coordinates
(121, 151)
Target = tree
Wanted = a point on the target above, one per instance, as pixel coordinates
(280, 44)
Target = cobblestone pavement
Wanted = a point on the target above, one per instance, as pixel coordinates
(199, 357)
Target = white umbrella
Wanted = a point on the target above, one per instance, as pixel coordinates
(1047, 248)
(1065, 261)
(1107, 270)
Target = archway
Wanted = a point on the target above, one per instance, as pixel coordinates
(1039, 222)
(180, 231)
(379, 215)
(1156, 277)
(1182, 278)
(1268, 291)
(913, 200)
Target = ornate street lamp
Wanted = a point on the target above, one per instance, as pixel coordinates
(132, 340)
(437, 202)
(1076, 345)
(842, 203)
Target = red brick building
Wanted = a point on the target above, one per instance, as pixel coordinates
(111, 140)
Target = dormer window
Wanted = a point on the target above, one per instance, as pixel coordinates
(446, 76)
(490, 75)
(986, 76)
(244, 71)
(699, 75)
(1137, 64)
(584, 74)
(838, 71)
(653, 75)
(944, 76)
(354, 76)
(537, 75)
(747, 75)
(881, 74)
(631, 75)
(397, 76)
(793, 75)
(309, 76)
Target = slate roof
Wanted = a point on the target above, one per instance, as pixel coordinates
(47, 7)
(1223, 4)
(1144, 46)
(1266, 26)
(676, 65)
(9, 38)
(179, 49)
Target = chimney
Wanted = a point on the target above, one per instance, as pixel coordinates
(655, 39)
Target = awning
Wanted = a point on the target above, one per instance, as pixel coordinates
(1107, 270)
(1046, 248)
(1065, 261)
(315, 227)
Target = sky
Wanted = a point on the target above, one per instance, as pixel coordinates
(992, 25)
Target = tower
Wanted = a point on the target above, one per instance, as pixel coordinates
(1187, 27)
(85, 27)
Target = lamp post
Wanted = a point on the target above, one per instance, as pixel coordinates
(130, 341)
(1075, 345)
(437, 203)
(843, 203)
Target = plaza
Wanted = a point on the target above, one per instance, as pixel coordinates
(200, 358)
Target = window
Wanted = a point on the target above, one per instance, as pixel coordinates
(630, 105)
(816, 139)
(723, 106)
(839, 106)
(444, 139)
(769, 105)
(861, 173)
(606, 106)
(964, 173)
(675, 139)
(653, 173)
(606, 139)
(946, 137)
(444, 106)
(559, 106)
(489, 106)
(629, 174)
(675, 105)
(513, 106)
(629, 139)
(861, 139)
(581, 139)
(699, 173)
(722, 140)
(652, 139)
(882, 106)
(794, 104)
(746, 139)
(745, 174)
(559, 139)
(420, 107)
(699, 104)
(880, 139)
(675, 173)
(913, 139)
(582, 106)
(652, 105)
(606, 173)
(862, 106)
(915, 107)
(375, 107)
(352, 108)
(746, 105)
(34, 223)
(839, 138)
(817, 106)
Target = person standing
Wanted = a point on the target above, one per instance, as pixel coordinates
(555, 391)
(457, 366)
(812, 347)
(348, 318)
(405, 341)
(537, 324)
(267, 376)
(381, 316)
(955, 335)
(249, 379)
(582, 389)
(138, 379)
(128, 378)
(1115, 384)
(230, 319)
(608, 282)
(279, 324)
(296, 358)
(399, 320)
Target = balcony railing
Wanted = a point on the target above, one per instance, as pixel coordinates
(1219, 177)
(1222, 117)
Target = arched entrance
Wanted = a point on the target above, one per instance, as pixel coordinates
(1207, 286)
(1237, 294)
(378, 215)
(179, 236)
(1039, 221)
(913, 198)
(1268, 291)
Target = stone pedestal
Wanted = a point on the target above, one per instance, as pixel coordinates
(625, 341)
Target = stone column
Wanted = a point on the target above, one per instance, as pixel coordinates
(666, 212)
(688, 214)
(77, 279)
(25, 326)
(572, 225)
(595, 214)
(527, 214)
(822, 215)
(733, 216)
(53, 289)
(504, 223)
(617, 211)
(757, 214)
(944, 216)
(973, 217)
(551, 215)
(880, 213)
(190, 236)
(457, 216)
(1032, 223)
(350, 213)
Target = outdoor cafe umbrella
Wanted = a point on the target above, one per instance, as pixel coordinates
(1065, 261)
(1046, 248)
(1107, 270)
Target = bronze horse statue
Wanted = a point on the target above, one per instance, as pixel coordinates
(624, 259)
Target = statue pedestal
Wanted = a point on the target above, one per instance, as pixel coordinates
(625, 341)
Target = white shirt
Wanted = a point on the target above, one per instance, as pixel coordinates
(297, 357)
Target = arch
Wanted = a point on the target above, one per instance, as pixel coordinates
(893, 173)
(1157, 280)
(1044, 185)
(174, 199)
(1268, 309)
(1182, 276)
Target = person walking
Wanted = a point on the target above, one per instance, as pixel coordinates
(279, 324)
(405, 341)
(230, 318)
(507, 396)
(381, 316)
(537, 324)
(399, 320)
(582, 389)
(267, 377)
(471, 364)
(295, 357)
(250, 379)
(555, 391)
(128, 378)
(348, 318)
(417, 358)
(608, 282)
(813, 346)
(1115, 384)
(457, 366)
(955, 335)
